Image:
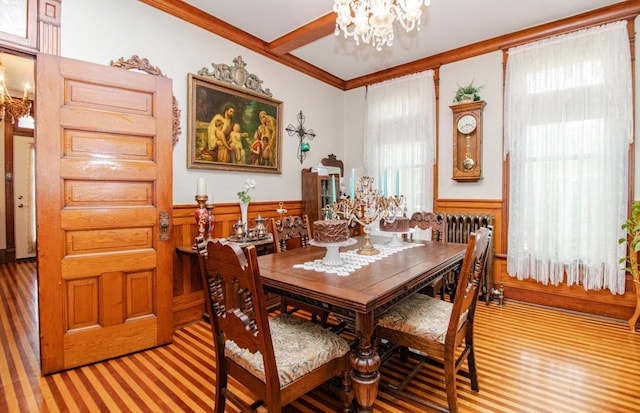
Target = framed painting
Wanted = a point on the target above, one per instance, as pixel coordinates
(232, 129)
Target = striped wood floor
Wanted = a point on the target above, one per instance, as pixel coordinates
(530, 359)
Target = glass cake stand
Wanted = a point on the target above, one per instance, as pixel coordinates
(396, 239)
(332, 258)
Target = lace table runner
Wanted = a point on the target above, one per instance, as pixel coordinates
(353, 261)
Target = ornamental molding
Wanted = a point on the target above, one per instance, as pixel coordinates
(135, 62)
(236, 75)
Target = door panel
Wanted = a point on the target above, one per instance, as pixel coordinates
(103, 142)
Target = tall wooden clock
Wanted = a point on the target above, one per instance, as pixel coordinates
(467, 141)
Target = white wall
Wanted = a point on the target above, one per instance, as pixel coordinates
(100, 31)
(485, 71)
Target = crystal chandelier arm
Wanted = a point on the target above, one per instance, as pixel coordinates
(16, 108)
(408, 13)
(372, 21)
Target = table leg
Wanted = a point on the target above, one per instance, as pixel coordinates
(365, 362)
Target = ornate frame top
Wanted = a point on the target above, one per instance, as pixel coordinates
(236, 75)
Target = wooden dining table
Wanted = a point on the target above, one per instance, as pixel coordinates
(362, 296)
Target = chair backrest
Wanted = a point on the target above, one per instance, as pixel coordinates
(425, 220)
(235, 301)
(291, 232)
(463, 311)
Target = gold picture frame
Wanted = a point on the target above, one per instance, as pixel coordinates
(232, 129)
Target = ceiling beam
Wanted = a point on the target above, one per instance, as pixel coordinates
(199, 18)
(317, 29)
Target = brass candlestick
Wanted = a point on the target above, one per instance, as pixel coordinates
(281, 211)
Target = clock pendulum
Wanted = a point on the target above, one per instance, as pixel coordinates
(468, 163)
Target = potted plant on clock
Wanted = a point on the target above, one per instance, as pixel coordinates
(469, 93)
(632, 226)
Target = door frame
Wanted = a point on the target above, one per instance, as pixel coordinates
(10, 130)
(21, 243)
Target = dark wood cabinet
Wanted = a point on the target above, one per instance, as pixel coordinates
(317, 192)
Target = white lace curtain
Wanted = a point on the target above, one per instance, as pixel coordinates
(568, 126)
(400, 137)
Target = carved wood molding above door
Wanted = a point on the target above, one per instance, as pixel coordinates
(143, 65)
(49, 24)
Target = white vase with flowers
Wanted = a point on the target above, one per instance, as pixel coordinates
(244, 199)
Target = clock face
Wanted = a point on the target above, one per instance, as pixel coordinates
(467, 124)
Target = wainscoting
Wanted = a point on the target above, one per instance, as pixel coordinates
(188, 301)
(530, 359)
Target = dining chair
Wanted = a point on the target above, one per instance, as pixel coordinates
(292, 232)
(437, 224)
(278, 358)
(437, 329)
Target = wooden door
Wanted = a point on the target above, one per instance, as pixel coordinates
(103, 179)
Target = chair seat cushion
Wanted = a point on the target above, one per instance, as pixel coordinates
(420, 315)
(299, 346)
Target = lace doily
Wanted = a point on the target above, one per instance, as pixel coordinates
(353, 261)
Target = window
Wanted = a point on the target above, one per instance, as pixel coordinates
(400, 138)
(568, 126)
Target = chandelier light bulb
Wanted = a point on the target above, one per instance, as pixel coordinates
(371, 21)
(15, 108)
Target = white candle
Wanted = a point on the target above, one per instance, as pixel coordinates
(353, 183)
(385, 182)
(26, 90)
(397, 182)
(333, 189)
(202, 187)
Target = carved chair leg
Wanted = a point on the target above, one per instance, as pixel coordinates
(450, 385)
(473, 372)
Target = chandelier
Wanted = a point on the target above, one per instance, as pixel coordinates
(13, 107)
(371, 21)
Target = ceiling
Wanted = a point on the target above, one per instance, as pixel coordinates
(18, 71)
(446, 25)
(302, 31)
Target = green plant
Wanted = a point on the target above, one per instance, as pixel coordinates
(632, 226)
(243, 196)
(470, 89)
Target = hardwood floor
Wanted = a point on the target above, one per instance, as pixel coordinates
(530, 359)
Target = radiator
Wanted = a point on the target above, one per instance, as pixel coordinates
(459, 226)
